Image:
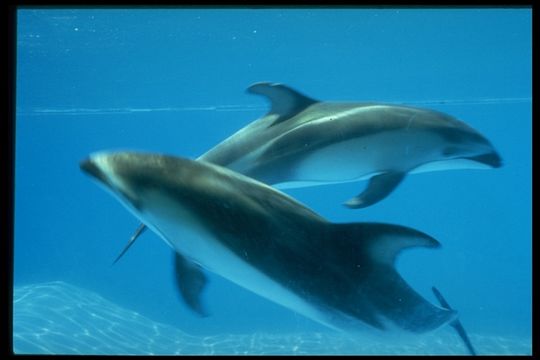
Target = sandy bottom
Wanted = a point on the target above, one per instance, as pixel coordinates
(58, 318)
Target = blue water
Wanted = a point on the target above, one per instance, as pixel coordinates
(173, 81)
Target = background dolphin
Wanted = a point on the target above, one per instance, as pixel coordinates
(302, 141)
(341, 275)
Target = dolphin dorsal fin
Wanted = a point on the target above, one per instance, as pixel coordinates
(285, 101)
(383, 242)
(388, 240)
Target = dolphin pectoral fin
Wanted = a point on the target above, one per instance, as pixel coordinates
(191, 281)
(285, 101)
(379, 187)
(134, 237)
(456, 324)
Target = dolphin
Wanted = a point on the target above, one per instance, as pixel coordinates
(341, 275)
(456, 324)
(302, 141)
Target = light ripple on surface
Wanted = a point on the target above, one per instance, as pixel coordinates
(58, 318)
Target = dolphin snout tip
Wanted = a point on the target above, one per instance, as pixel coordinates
(494, 159)
(491, 159)
(90, 167)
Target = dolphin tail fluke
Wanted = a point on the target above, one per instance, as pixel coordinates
(379, 187)
(134, 237)
(456, 324)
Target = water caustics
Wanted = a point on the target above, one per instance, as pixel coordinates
(60, 318)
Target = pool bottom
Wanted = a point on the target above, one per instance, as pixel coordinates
(59, 318)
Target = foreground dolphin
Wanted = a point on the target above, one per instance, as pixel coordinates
(341, 275)
(302, 141)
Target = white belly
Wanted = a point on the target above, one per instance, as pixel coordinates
(361, 158)
(190, 239)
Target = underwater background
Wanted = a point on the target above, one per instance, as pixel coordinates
(173, 81)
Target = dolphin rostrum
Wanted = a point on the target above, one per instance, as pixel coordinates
(341, 275)
(302, 142)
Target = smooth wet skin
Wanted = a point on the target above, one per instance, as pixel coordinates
(341, 275)
(304, 142)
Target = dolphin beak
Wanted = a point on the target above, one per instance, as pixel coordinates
(99, 169)
(89, 167)
(492, 159)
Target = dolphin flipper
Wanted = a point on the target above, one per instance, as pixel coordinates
(134, 237)
(379, 187)
(285, 101)
(456, 324)
(191, 281)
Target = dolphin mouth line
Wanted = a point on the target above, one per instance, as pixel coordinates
(89, 166)
(492, 159)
